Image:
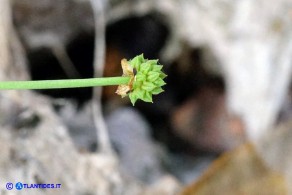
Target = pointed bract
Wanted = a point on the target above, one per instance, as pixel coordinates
(152, 76)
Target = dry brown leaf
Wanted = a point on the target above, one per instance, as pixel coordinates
(241, 171)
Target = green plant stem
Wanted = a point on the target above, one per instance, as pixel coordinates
(66, 83)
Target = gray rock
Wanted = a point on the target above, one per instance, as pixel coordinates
(44, 153)
(79, 123)
(188, 168)
(140, 157)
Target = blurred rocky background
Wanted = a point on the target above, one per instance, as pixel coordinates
(222, 126)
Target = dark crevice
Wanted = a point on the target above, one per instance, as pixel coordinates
(187, 78)
(44, 65)
(135, 35)
(131, 36)
(81, 51)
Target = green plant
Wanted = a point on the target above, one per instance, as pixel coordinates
(141, 79)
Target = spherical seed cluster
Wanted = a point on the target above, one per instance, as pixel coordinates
(148, 79)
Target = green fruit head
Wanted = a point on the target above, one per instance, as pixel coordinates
(147, 79)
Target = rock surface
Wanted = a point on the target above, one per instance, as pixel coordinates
(139, 156)
(36, 148)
